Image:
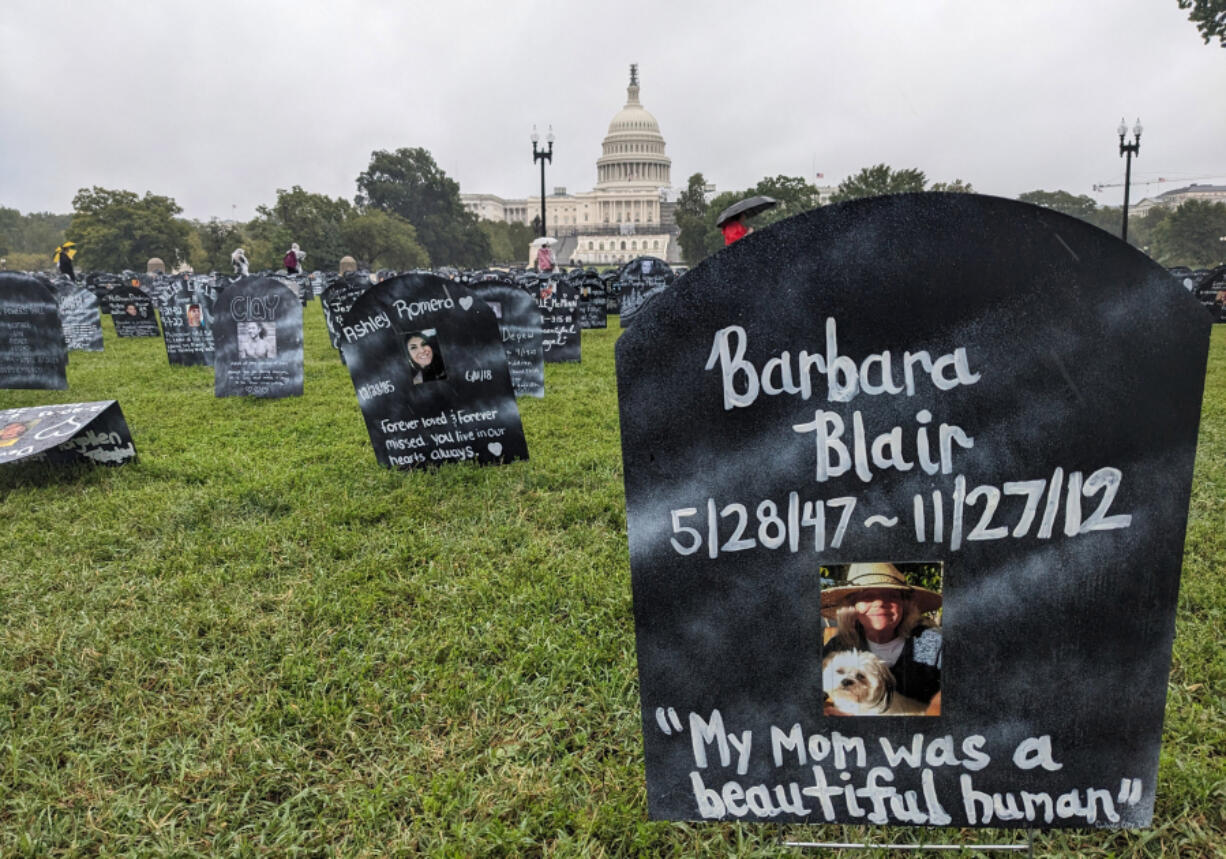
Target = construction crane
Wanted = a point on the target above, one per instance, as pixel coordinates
(1104, 185)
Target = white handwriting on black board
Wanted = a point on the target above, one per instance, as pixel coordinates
(844, 378)
(842, 783)
(729, 526)
(963, 513)
(257, 308)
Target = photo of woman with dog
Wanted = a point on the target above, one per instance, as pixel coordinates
(882, 657)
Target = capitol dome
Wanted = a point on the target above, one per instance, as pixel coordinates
(633, 150)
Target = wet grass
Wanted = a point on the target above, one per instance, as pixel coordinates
(255, 640)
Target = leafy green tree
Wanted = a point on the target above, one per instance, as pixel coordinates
(793, 194)
(690, 214)
(383, 240)
(1079, 206)
(1209, 16)
(313, 221)
(117, 229)
(876, 180)
(1191, 235)
(409, 183)
(35, 233)
(509, 242)
(217, 242)
(696, 217)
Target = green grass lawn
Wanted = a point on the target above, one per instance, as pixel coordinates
(256, 640)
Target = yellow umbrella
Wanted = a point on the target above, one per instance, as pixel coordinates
(68, 248)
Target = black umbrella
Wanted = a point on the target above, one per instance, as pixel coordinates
(749, 206)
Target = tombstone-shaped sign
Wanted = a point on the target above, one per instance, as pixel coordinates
(70, 432)
(982, 416)
(257, 336)
(427, 362)
(519, 321)
(80, 318)
(593, 303)
(559, 305)
(132, 313)
(641, 281)
(187, 325)
(32, 353)
(338, 299)
(1211, 291)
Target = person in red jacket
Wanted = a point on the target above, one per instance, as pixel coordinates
(735, 229)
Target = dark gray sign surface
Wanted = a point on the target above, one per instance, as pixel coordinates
(428, 366)
(519, 320)
(132, 313)
(593, 303)
(187, 325)
(80, 318)
(71, 432)
(32, 353)
(639, 282)
(944, 378)
(559, 305)
(338, 298)
(257, 334)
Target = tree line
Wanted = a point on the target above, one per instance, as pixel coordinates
(406, 214)
(1189, 235)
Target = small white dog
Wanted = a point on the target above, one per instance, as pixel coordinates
(860, 684)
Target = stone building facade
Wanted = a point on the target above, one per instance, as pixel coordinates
(625, 215)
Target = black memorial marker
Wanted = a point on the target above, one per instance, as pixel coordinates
(559, 305)
(32, 353)
(338, 299)
(257, 333)
(70, 432)
(519, 320)
(132, 313)
(593, 303)
(187, 325)
(999, 391)
(80, 318)
(427, 362)
(640, 282)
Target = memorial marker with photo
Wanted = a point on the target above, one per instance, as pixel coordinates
(187, 320)
(80, 318)
(983, 413)
(427, 362)
(70, 432)
(559, 305)
(593, 303)
(257, 333)
(519, 321)
(132, 313)
(32, 352)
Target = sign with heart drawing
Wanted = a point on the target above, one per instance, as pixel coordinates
(427, 363)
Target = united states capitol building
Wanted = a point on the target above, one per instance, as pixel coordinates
(625, 215)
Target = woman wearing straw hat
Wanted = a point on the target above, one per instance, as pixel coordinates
(879, 611)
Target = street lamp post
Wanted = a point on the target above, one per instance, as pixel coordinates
(542, 155)
(1127, 150)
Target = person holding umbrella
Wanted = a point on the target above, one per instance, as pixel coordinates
(732, 221)
(63, 255)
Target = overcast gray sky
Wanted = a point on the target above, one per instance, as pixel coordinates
(220, 103)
